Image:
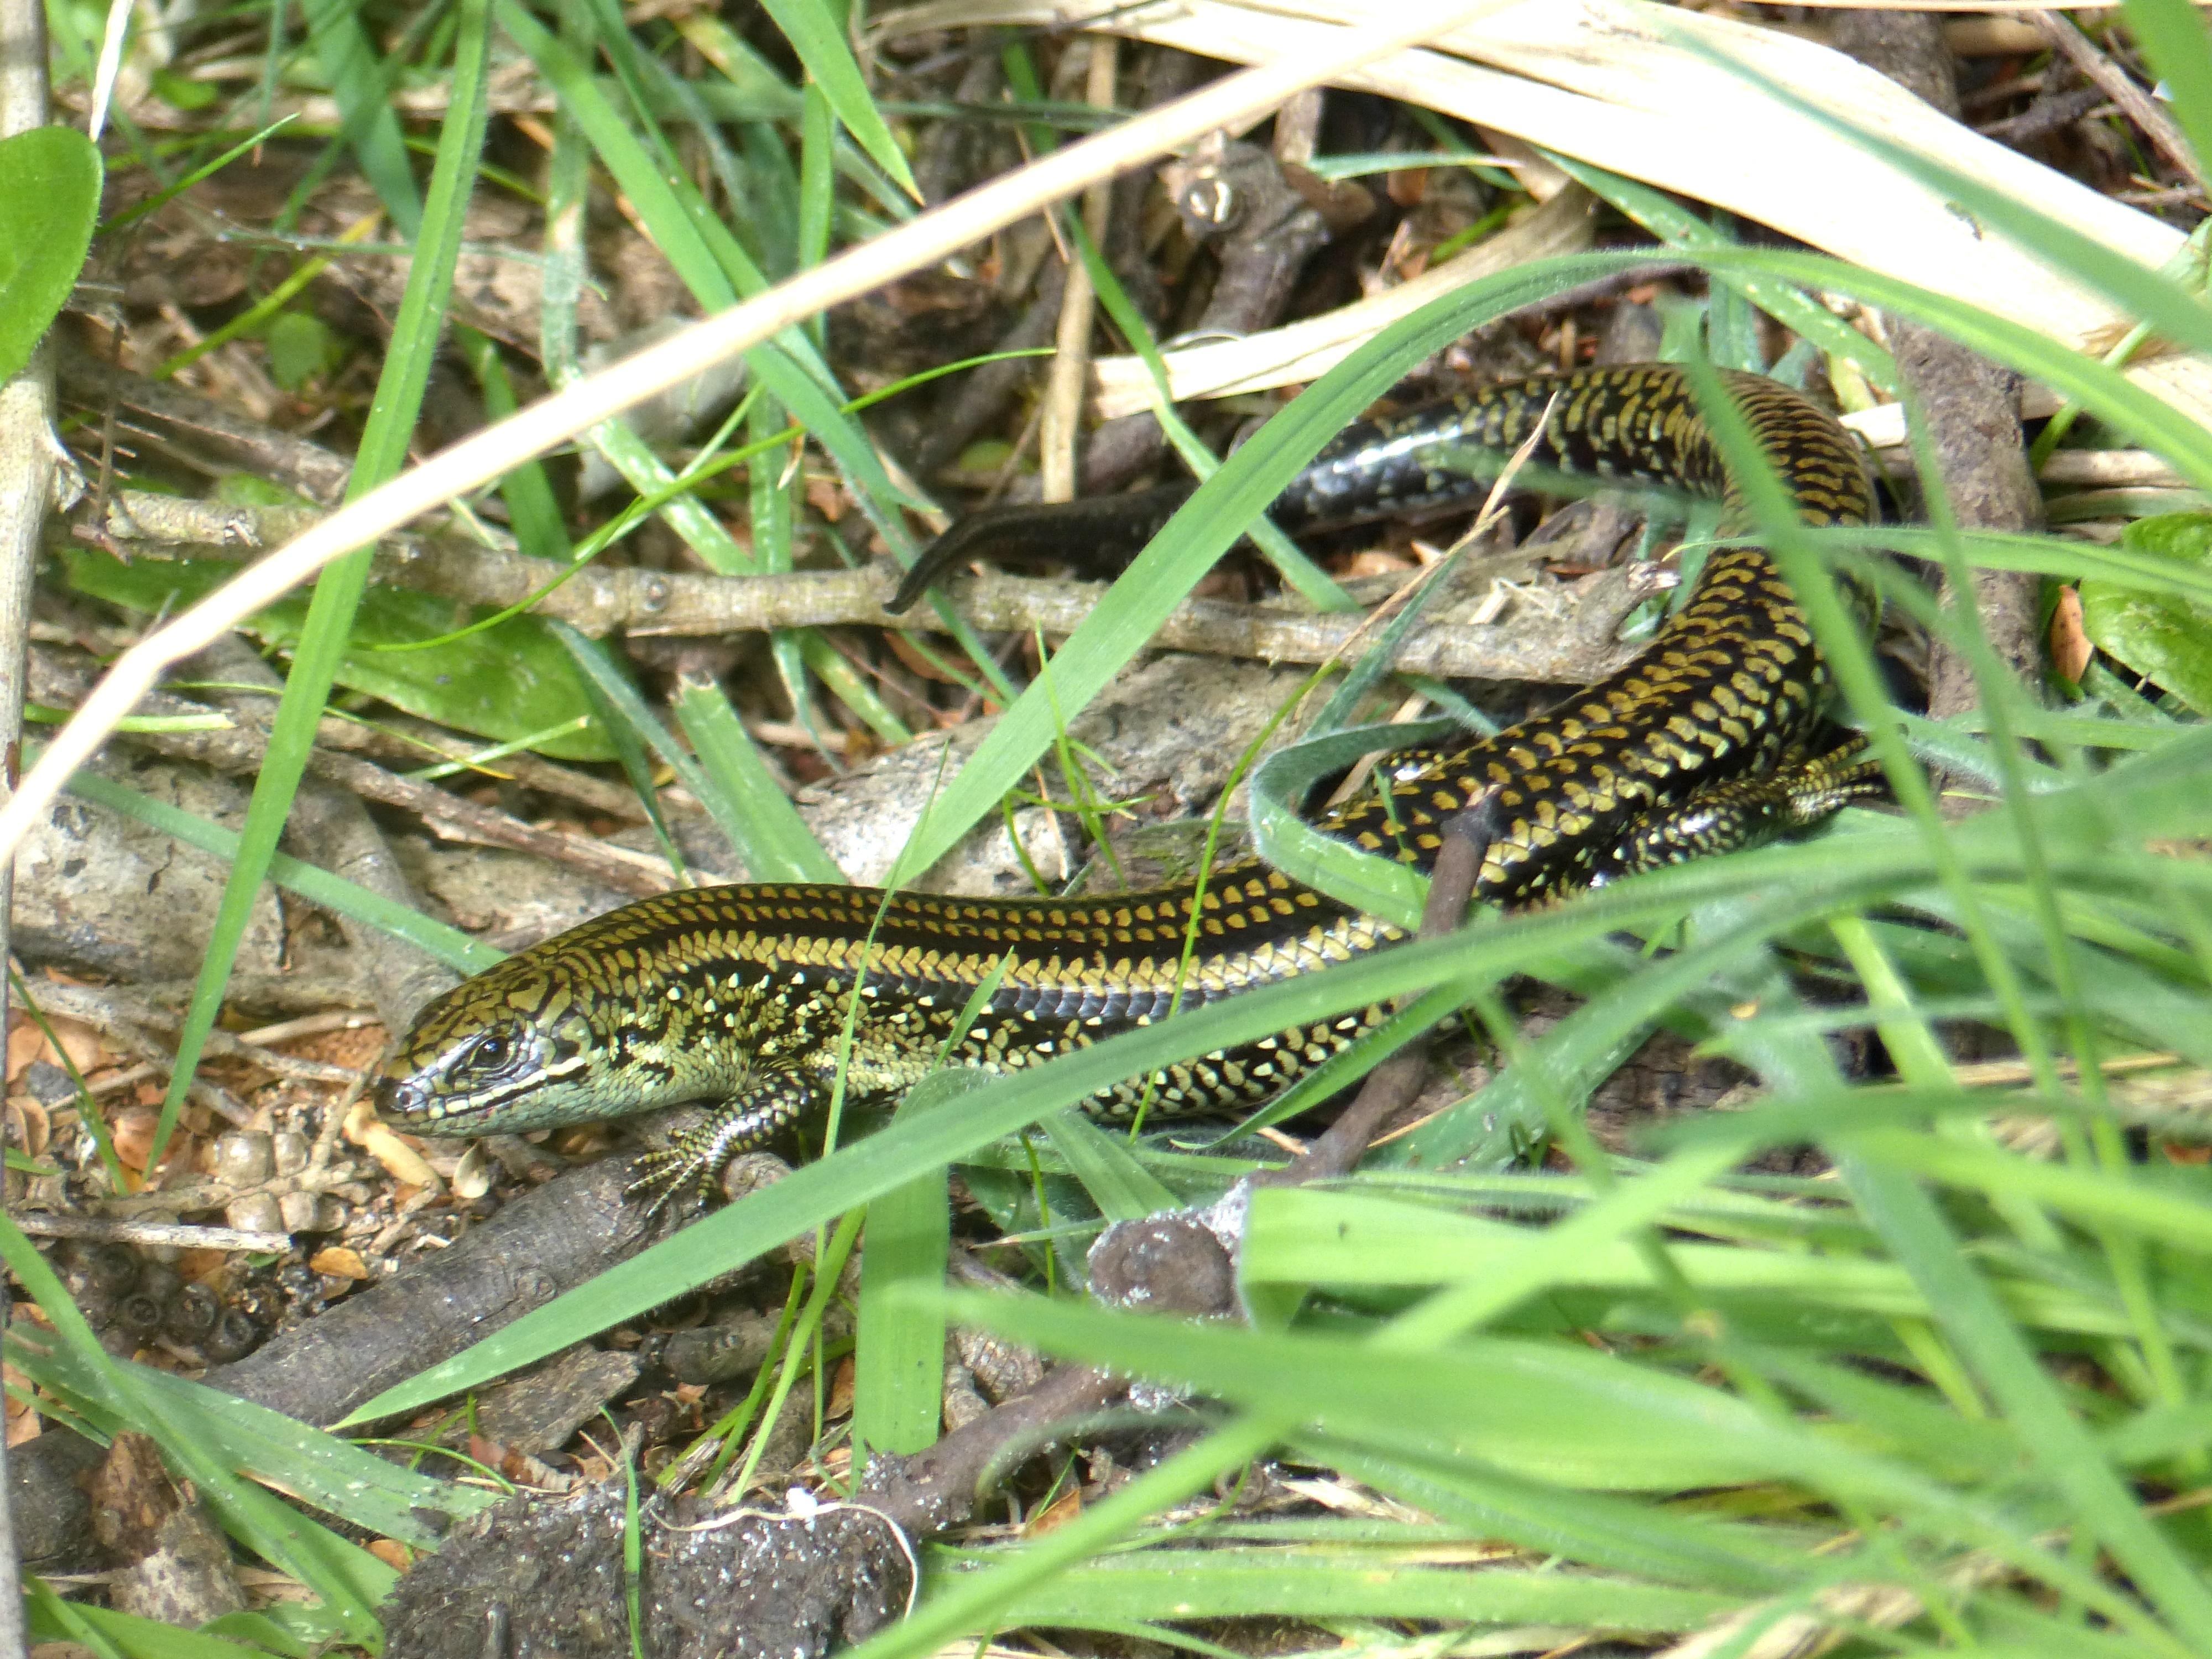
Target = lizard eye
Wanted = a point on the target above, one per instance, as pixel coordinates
(489, 1053)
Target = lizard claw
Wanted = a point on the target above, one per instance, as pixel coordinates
(660, 1177)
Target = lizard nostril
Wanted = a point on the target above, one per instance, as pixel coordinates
(398, 1097)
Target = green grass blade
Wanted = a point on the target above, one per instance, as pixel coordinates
(1245, 1583)
(1125, 620)
(2152, 297)
(1553, 1412)
(816, 33)
(2141, 415)
(1281, 834)
(397, 401)
(703, 253)
(528, 493)
(348, 1579)
(975, 1602)
(318, 886)
(319, 1469)
(2068, 1455)
(746, 803)
(1622, 1534)
(362, 84)
(1678, 228)
(113, 1635)
(898, 1384)
(2120, 563)
(1119, 1184)
(2171, 34)
(818, 182)
(1299, 572)
(777, 844)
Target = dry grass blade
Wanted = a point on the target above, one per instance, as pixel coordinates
(1628, 86)
(479, 459)
(1305, 351)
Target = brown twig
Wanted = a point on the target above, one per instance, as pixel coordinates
(937, 1488)
(1970, 406)
(2122, 89)
(239, 751)
(1061, 412)
(314, 471)
(27, 474)
(121, 1018)
(1574, 649)
(163, 1235)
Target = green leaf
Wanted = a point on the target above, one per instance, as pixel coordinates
(363, 82)
(49, 202)
(179, 92)
(2165, 637)
(511, 680)
(301, 346)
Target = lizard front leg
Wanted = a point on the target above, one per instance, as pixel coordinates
(763, 1109)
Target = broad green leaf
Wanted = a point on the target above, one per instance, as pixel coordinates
(510, 681)
(301, 346)
(2165, 637)
(49, 202)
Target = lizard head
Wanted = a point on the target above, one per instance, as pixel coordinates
(510, 1050)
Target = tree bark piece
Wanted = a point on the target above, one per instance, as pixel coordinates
(1971, 407)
